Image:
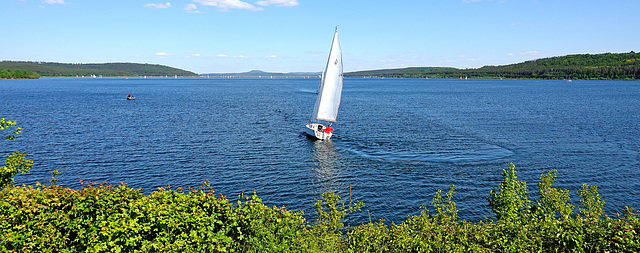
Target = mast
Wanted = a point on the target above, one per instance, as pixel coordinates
(314, 115)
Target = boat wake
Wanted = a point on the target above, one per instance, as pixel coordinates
(456, 152)
(488, 153)
(308, 91)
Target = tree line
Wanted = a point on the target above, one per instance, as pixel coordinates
(54, 69)
(607, 66)
(18, 74)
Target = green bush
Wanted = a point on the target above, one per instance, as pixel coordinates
(102, 217)
(510, 200)
(16, 161)
(117, 218)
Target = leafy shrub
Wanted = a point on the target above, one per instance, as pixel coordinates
(104, 217)
(591, 201)
(510, 200)
(16, 161)
(553, 201)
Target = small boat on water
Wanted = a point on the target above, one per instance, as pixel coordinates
(328, 100)
(129, 97)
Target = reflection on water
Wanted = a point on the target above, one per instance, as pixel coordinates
(327, 166)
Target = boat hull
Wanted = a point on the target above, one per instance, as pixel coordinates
(315, 130)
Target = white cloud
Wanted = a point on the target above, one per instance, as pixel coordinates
(191, 8)
(532, 53)
(527, 53)
(462, 57)
(227, 56)
(272, 56)
(162, 54)
(55, 2)
(159, 6)
(225, 5)
(279, 3)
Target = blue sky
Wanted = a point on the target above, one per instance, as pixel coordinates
(219, 36)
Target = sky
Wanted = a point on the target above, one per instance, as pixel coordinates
(230, 36)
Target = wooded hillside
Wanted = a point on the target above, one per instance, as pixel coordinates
(389, 72)
(608, 66)
(104, 69)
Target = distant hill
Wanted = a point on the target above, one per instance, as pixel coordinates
(383, 72)
(607, 66)
(260, 73)
(105, 69)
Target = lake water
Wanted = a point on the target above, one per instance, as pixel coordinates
(397, 141)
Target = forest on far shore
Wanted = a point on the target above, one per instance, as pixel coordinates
(55, 69)
(18, 74)
(607, 66)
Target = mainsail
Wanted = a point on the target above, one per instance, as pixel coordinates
(328, 100)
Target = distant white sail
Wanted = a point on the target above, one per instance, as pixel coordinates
(328, 100)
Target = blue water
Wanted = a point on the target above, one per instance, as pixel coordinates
(397, 141)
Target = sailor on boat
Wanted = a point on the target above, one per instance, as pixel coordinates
(129, 97)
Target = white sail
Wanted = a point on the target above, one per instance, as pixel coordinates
(328, 101)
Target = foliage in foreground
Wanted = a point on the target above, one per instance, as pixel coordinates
(16, 161)
(117, 218)
(102, 217)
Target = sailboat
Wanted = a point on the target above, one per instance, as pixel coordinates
(328, 101)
